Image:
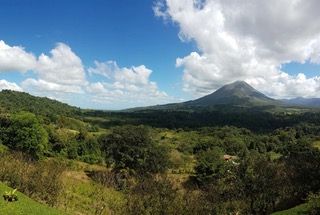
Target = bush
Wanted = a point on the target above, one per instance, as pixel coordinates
(26, 134)
(210, 166)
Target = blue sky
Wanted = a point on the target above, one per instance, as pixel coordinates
(135, 36)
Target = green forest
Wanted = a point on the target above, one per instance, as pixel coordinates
(224, 160)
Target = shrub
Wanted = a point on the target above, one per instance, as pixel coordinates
(210, 166)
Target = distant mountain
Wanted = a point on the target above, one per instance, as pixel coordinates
(13, 101)
(305, 102)
(230, 96)
(238, 93)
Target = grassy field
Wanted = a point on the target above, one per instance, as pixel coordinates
(24, 205)
(298, 210)
(83, 196)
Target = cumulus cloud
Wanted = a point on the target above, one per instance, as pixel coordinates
(63, 66)
(247, 40)
(43, 86)
(125, 85)
(15, 58)
(6, 85)
(61, 71)
(103, 68)
(61, 74)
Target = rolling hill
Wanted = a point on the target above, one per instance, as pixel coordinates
(13, 101)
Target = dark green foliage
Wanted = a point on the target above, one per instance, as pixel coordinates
(80, 146)
(210, 166)
(262, 180)
(57, 140)
(303, 167)
(88, 148)
(131, 147)
(25, 133)
(257, 120)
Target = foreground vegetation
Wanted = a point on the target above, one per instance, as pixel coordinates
(185, 162)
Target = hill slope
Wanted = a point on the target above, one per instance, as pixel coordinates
(24, 206)
(12, 101)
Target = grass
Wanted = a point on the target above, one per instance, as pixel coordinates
(3, 148)
(316, 144)
(298, 210)
(84, 196)
(24, 205)
(274, 155)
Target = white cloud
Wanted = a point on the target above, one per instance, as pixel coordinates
(61, 75)
(62, 71)
(9, 86)
(62, 67)
(247, 40)
(15, 58)
(96, 88)
(103, 68)
(43, 86)
(125, 85)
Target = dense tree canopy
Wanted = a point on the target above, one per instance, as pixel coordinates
(131, 147)
(25, 133)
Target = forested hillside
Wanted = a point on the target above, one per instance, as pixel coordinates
(13, 101)
(220, 161)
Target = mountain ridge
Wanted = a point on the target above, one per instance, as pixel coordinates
(235, 93)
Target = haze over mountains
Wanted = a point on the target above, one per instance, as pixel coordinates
(300, 101)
